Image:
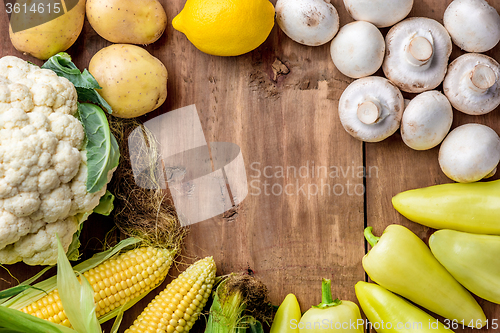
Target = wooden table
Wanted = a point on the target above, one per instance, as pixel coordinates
(282, 120)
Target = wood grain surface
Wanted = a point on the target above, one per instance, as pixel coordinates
(279, 104)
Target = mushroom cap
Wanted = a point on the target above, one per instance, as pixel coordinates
(371, 90)
(308, 22)
(470, 153)
(406, 75)
(382, 13)
(473, 25)
(426, 120)
(464, 97)
(358, 49)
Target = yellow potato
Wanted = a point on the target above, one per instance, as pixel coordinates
(133, 81)
(127, 21)
(47, 39)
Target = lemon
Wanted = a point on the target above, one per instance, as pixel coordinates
(226, 27)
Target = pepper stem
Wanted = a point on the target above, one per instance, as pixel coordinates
(327, 300)
(326, 291)
(370, 237)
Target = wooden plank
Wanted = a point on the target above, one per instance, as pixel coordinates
(289, 241)
(401, 168)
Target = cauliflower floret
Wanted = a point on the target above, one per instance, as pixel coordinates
(43, 169)
(66, 161)
(14, 69)
(23, 204)
(63, 92)
(81, 198)
(67, 128)
(40, 248)
(12, 228)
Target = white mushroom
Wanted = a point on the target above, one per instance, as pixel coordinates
(426, 120)
(358, 49)
(308, 22)
(471, 84)
(473, 25)
(470, 153)
(370, 108)
(382, 13)
(417, 53)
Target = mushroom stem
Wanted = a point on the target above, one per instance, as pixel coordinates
(369, 112)
(482, 78)
(491, 174)
(419, 51)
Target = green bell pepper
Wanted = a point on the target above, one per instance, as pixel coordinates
(288, 314)
(473, 207)
(474, 260)
(389, 313)
(331, 315)
(401, 262)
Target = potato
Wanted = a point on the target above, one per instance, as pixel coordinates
(133, 81)
(127, 21)
(47, 39)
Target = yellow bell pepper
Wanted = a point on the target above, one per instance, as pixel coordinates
(474, 260)
(389, 313)
(331, 315)
(287, 316)
(401, 262)
(473, 207)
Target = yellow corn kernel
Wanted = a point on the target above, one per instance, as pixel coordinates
(109, 278)
(172, 310)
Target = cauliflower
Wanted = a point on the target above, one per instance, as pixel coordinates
(43, 166)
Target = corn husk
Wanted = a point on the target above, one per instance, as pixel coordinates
(240, 304)
(19, 322)
(76, 296)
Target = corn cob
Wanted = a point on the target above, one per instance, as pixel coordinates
(115, 282)
(178, 306)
